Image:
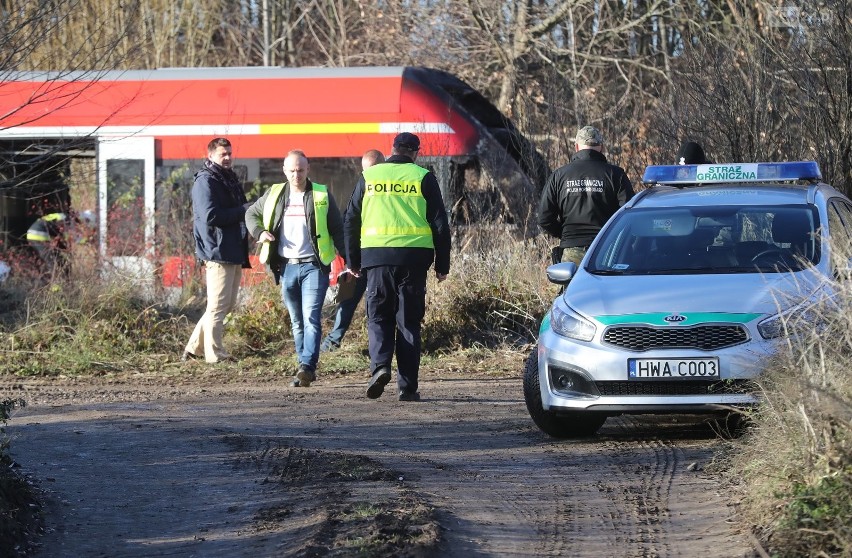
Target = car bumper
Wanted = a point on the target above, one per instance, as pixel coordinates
(576, 376)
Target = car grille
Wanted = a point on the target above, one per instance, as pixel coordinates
(683, 387)
(708, 337)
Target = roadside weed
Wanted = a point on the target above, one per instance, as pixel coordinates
(794, 467)
(361, 510)
(20, 511)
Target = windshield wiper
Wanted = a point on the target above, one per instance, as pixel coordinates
(737, 269)
(683, 271)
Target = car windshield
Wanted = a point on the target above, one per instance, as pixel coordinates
(699, 240)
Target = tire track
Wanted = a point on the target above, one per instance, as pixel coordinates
(497, 485)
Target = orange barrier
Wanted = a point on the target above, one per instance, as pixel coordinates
(177, 270)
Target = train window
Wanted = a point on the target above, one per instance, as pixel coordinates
(125, 207)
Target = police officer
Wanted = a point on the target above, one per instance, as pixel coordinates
(581, 196)
(395, 228)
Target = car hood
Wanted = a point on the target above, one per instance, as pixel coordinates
(609, 298)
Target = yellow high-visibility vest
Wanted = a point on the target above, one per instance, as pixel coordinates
(393, 211)
(325, 243)
(38, 231)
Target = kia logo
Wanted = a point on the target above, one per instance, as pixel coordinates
(675, 318)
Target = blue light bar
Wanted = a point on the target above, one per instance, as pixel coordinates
(731, 173)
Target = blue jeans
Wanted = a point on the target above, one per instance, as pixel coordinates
(303, 289)
(345, 311)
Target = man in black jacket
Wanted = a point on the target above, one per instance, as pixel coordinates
(221, 241)
(581, 196)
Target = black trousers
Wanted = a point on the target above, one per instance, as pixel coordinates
(396, 304)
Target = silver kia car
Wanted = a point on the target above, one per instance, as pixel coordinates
(685, 294)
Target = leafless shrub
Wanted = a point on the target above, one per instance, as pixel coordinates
(795, 466)
(496, 294)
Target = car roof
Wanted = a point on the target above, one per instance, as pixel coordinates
(763, 183)
(738, 194)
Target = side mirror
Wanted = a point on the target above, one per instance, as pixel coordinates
(561, 273)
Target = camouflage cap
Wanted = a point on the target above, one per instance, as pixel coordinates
(589, 135)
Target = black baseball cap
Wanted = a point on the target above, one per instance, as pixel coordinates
(407, 140)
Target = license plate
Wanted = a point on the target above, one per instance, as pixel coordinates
(673, 369)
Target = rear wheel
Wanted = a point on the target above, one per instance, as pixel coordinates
(564, 425)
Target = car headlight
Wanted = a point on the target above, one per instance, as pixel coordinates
(789, 322)
(772, 327)
(567, 323)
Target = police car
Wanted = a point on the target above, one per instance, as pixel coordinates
(685, 294)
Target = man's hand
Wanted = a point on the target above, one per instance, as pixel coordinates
(266, 236)
(441, 276)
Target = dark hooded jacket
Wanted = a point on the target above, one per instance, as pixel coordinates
(218, 208)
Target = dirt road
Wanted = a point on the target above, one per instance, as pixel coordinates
(147, 469)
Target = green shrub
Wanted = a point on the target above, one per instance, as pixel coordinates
(817, 517)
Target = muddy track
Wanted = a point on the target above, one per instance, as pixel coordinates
(147, 469)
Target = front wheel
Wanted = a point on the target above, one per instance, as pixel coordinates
(730, 425)
(577, 424)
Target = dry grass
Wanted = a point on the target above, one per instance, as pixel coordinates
(496, 295)
(83, 324)
(794, 468)
(482, 319)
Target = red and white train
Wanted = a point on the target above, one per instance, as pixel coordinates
(144, 133)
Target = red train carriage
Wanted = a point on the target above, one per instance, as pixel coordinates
(142, 134)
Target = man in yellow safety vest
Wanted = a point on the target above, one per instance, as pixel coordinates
(299, 227)
(47, 235)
